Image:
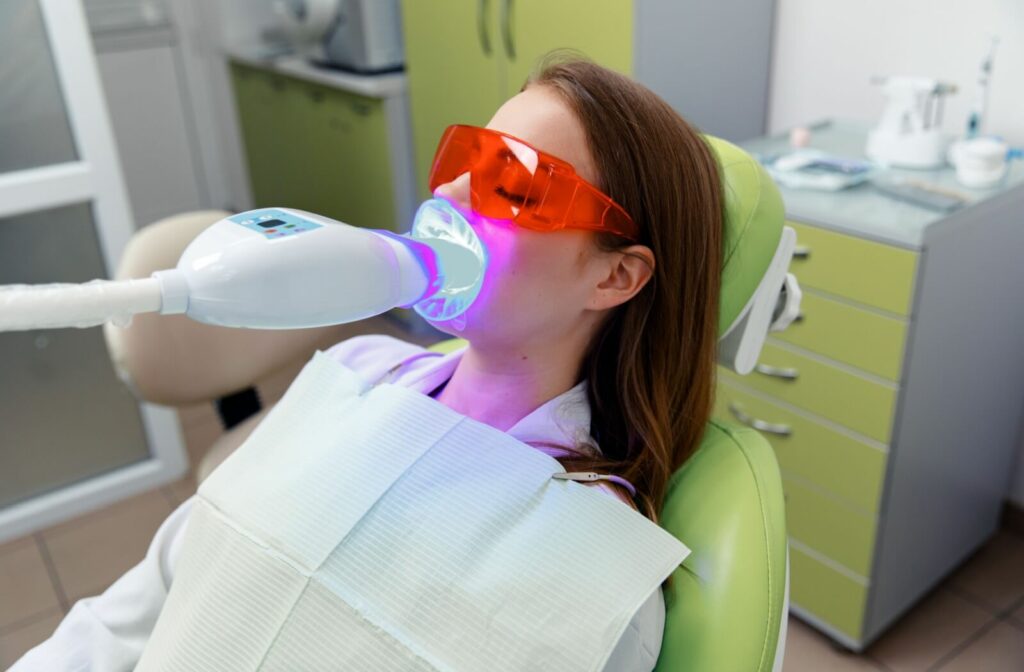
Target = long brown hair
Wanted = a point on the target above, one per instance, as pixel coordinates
(651, 366)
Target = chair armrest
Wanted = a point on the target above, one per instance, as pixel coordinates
(174, 360)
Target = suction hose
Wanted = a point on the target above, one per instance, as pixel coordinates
(278, 268)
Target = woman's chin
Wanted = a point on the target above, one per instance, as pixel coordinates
(457, 326)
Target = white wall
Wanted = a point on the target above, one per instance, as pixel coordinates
(826, 51)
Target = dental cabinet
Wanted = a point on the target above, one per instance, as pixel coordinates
(464, 58)
(326, 141)
(894, 403)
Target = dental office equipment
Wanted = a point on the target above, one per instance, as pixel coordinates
(814, 169)
(363, 36)
(909, 133)
(977, 117)
(920, 193)
(278, 268)
(980, 162)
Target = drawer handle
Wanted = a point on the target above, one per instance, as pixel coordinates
(760, 425)
(482, 12)
(508, 38)
(801, 252)
(777, 372)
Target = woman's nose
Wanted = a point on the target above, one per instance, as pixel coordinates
(456, 192)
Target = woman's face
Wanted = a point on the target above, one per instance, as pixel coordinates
(538, 286)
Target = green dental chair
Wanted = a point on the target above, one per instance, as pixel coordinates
(727, 608)
(728, 605)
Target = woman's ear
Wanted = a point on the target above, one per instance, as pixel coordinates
(628, 271)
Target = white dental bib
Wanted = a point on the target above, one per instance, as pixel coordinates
(373, 528)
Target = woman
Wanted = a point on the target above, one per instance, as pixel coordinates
(594, 343)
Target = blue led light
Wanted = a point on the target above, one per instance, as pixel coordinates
(461, 259)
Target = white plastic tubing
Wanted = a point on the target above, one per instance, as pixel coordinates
(52, 306)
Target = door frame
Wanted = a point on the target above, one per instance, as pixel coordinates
(95, 178)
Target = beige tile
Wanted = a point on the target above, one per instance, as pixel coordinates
(809, 651)
(25, 586)
(931, 630)
(14, 644)
(1000, 649)
(993, 576)
(90, 553)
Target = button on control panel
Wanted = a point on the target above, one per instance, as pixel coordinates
(273, 223)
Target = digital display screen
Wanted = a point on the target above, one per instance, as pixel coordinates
(270, 223)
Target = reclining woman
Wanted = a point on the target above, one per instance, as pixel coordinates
(592, 343)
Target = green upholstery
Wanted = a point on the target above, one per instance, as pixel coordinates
(754, 217)
(725, 609)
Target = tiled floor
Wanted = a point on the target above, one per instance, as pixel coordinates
(974, 622)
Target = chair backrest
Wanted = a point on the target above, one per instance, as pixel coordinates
(725, 607)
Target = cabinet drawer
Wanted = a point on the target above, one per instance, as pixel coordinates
(827, 594)
(863, 405)
(872, 273)
(851, 469)
(857, 337)
(829, 527)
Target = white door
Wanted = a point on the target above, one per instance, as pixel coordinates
(72, 436)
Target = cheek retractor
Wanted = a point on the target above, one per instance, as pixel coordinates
(278, 268)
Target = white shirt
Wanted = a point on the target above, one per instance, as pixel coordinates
(109, 632)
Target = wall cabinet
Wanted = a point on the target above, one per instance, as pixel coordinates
(466, 57)
(316, 147)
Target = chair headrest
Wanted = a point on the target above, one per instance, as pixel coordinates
(754, 218)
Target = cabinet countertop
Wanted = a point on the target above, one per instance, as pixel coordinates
(862, 210)
(373, 86)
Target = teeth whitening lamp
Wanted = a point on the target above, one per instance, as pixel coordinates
(278, 268)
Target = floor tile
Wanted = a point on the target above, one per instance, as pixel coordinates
(92, 552)
(14, 644)
(25, 586)
(809, 651)
(931, 630)
(1000, 649)
(994, 576)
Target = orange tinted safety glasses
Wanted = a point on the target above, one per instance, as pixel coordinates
(510, 180)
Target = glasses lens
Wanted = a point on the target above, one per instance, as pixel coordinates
(454, 156)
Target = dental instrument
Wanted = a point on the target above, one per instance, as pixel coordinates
(977, 117)
(280, 268)
(909, 134)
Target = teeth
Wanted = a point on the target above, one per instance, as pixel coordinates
(461, 259)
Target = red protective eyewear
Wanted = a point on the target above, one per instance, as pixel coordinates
(510, 180)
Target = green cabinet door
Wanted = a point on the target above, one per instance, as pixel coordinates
(600, 29)
(267, 114)
(454, 78)
(316, 148)
(346, 163)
